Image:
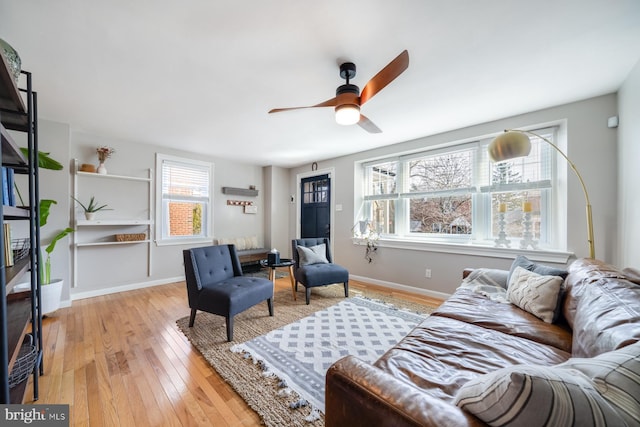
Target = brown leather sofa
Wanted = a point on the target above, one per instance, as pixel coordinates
(415, 382)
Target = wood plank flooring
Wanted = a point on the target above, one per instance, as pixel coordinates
(120, 360)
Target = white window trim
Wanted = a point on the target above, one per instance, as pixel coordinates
(539, 255)
(159, 212)
(479, 247)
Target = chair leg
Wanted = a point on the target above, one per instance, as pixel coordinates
(192, 318)
(346, 289)
(270, 305)
(229, 328)
(307, 294)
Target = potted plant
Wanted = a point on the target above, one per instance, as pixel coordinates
(363, 230)
(91, 208)
(51, 290)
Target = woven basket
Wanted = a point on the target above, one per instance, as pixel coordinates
(25, 362)
(135, 237)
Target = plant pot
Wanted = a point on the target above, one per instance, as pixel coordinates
(89, 215)
(51, 296)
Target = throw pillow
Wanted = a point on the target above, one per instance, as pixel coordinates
(535, 293)
(598, 391)
(545, 270)
(313, 254)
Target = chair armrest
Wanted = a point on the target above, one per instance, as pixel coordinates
(359, 394)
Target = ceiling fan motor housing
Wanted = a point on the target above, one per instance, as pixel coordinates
(348, 88)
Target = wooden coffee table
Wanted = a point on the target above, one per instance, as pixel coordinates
(284, 262)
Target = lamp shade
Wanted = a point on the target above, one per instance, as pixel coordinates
(509, 145)
(348, 114)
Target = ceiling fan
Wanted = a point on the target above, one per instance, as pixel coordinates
(348, 99)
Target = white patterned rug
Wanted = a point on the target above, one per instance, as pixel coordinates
(301, 352)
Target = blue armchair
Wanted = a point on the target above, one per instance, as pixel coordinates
(215, 284)
(313, 265)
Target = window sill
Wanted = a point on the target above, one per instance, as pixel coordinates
(174, 242)
(559, 257)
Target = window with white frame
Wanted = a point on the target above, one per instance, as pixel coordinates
(184, 200)
(456, 194)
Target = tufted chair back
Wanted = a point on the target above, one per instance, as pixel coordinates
(210, 264)
(319, 273)
(308, 242)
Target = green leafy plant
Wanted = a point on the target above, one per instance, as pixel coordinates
(92, 206)
(46, 162)
(45, 276)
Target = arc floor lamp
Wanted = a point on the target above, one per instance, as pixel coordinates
(515, 143)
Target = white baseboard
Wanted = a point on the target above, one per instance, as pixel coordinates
(392, 285)
(124, 288)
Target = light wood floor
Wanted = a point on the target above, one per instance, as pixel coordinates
(120, 360)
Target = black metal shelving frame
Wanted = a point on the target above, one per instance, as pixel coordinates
(19, 312)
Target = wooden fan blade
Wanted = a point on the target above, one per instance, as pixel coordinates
(385, 76)
(328, 103)
(368, 125)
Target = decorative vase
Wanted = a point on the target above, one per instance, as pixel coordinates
(102, 170)
(89, 215)
(12, 58)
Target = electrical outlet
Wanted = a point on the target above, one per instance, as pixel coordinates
(427, 273)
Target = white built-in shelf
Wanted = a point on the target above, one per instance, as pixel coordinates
(107, 176)
(97, 233)
(114, 222)
(111, 243)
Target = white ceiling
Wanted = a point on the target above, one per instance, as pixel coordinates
(200, 75)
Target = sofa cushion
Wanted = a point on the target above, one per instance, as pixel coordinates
(583, 392)
(474, 308)
(313, 254)
(441, 354)
(535, 293)
(607, 317)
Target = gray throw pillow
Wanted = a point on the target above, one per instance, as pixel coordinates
(312, 254)
(527, 264)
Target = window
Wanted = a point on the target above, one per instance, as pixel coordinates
(184, 199)
(456, 194)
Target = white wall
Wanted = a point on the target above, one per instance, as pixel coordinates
(629, 171)
(276, 208)
(118, 267)
(592, 147)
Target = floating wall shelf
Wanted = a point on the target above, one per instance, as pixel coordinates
(249, 192)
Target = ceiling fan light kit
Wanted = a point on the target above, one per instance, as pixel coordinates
(347, 114)
(349, 100)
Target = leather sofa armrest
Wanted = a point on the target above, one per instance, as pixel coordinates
(359, 394)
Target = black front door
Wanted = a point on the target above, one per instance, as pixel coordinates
(315, 216)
